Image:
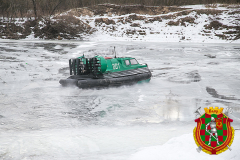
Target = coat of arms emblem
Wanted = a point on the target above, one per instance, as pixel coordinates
(213, 133)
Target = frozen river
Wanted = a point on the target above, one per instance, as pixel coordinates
(41, 120)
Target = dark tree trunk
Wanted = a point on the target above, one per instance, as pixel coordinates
(34, 8)
(80, 3)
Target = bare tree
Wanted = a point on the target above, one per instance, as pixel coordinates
(34, 8)
(60, 1)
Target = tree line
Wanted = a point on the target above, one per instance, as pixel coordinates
(38, 8)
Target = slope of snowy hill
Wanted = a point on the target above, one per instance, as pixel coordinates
(196, 23)
(109, 22)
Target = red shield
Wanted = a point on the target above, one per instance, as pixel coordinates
(213, 142)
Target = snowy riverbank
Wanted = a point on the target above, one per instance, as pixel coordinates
(217, 23)
(194, 23)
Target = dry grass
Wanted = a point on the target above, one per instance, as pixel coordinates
(131, 32)
(214, 24)
(208, 11)
(222, 36)
(71, 20)
(10, 30)
(214, 5)
(183, 13)
(128, 9)
(135, 25)
(234, 12)
(158, 18)
(170, 16)
(229, 35)
(172, 23)
(223, 5)
(238, 33)
(141, 32)
(234, 6)
(136, 17)
(187, 19)
(182, 21)
(104, 20)
(81, 12)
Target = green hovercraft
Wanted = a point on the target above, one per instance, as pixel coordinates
(101, 71)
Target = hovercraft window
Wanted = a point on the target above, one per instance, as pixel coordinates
(133, 61)
(127, 62)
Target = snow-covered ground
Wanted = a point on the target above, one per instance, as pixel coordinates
(40, 120)
(183, 147)
(193, 23)
(146, 29)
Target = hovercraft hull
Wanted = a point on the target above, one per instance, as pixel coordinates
(112, 79)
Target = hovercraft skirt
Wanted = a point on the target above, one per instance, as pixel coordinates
(109, 80)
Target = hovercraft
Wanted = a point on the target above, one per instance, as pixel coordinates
(101, 71)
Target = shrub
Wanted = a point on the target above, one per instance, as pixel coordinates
(135, 25)
(104, 20)
(170, 16)
(172, 23)
(11, 31)
(187, 19)
(159, 19)
(213, 24)
(136, 17)
(67, 27)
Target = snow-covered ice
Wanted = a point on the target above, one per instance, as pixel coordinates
(184, 147)
(39, 119)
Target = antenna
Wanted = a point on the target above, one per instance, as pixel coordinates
(115, 52)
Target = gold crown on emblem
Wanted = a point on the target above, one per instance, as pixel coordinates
(212, 110)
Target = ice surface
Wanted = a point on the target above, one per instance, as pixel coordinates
(40, 119)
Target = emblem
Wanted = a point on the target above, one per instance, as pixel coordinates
(213, 133)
